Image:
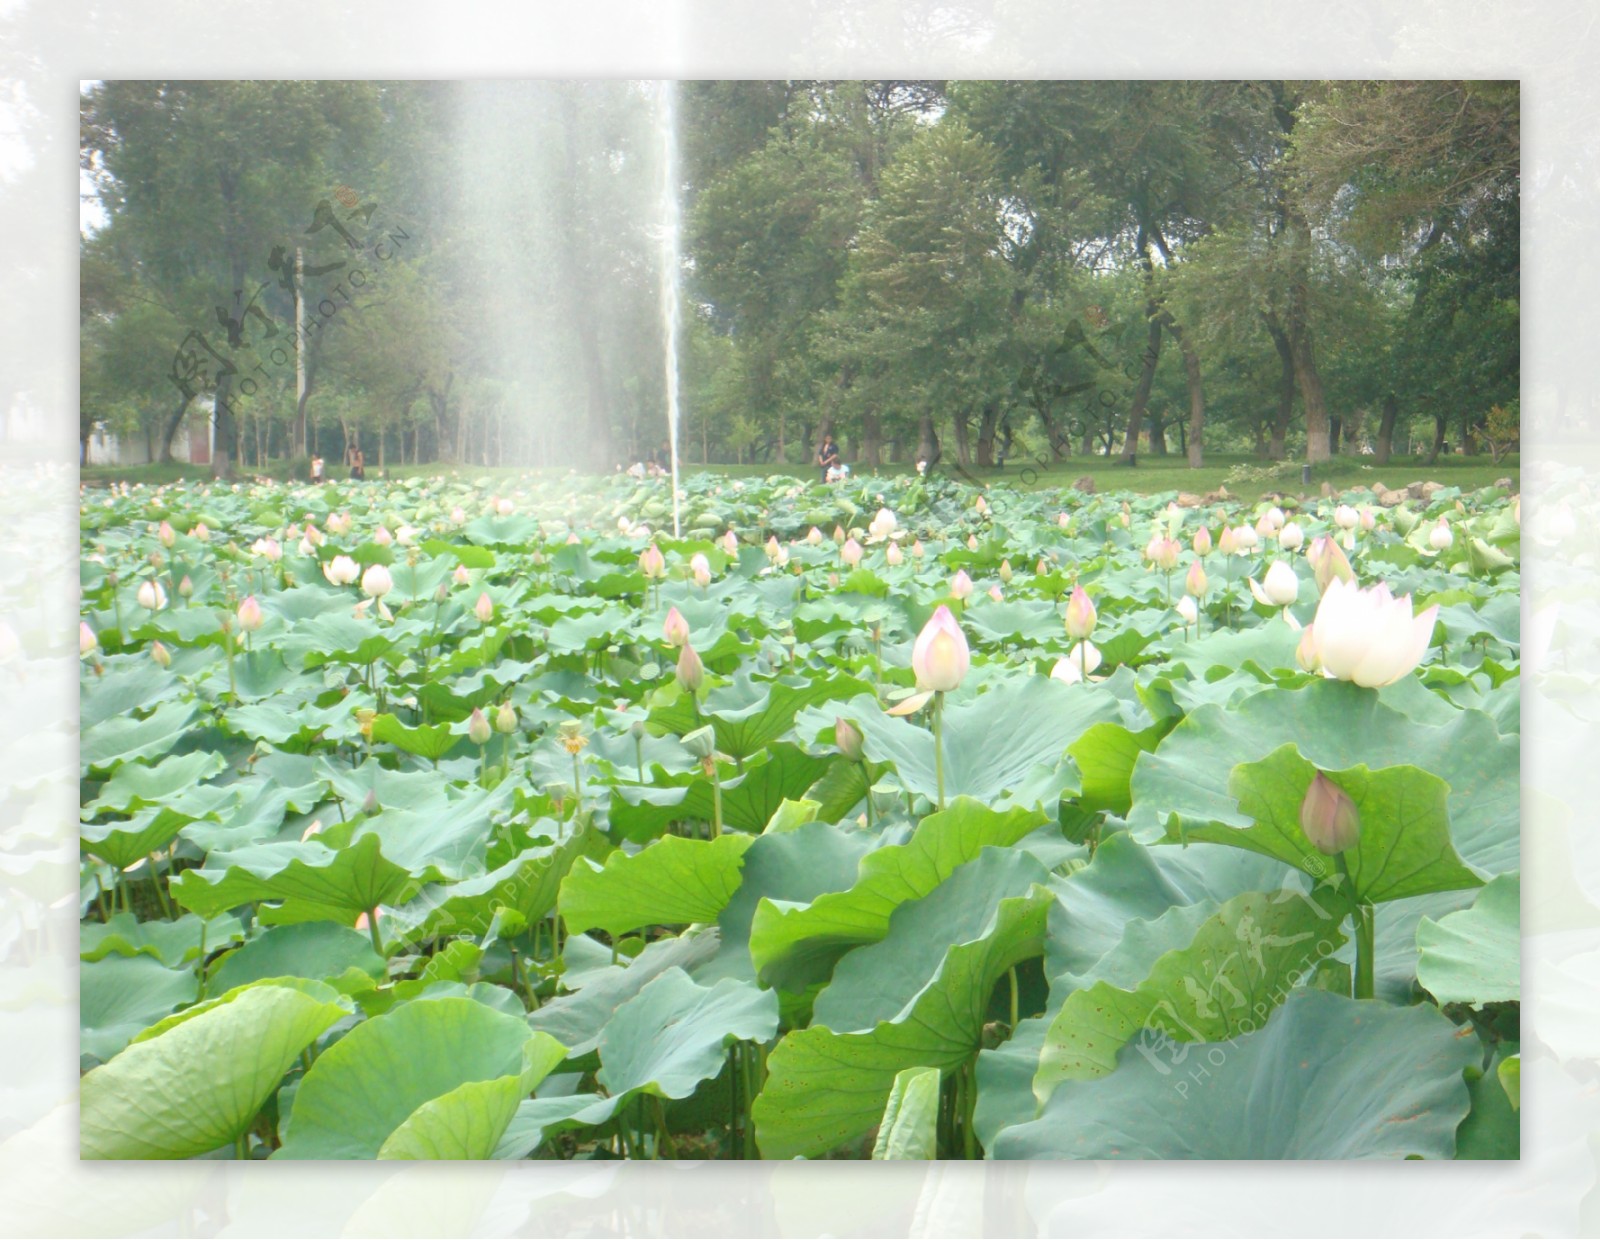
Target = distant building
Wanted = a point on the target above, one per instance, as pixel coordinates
(191, 445)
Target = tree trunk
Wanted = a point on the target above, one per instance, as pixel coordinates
(871, 440)
(1197, 399)
(928, 443)
(1440, 425)
(1141, 390)
(171, 429)
(988, 420)
(1310, 385)
(963, 440)
(1336, 428)
(1391, 411)
(1156, 434)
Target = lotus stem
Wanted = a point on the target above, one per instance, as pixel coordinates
(1366, 941)
(938, 745)
(372, 929)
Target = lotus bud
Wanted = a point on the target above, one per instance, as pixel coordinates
(1069, 668)
(1368, 521)
(833, 579)
(376, 582)
(1329, 817)
(961, 585)
(1278, 588)
(982, 505)
(484, 608)
(1202, 541)
(730, 544)
(691, 672)
(850, 553)
(1264, 528)
(573, 540)
(1246, 538)
(894, 555)
(1063, 520)
(972, 542)
(1291, 537)
(313, 535)
(1439, 537)
(652, 563)
(478, 730)
(369, 807)
(814, 537)
(268, 549)
(250, 616)
(166, 534)
(1228, 541)
(1166, 556)
(884, 524)
(339, 523)
(160, 654)
(917, 549)
(847, 737)
(365, 718)
(458, 515)
(772, 548)
(1081, 615)
(700, 567)
(839, 534)
(341, 570)
(1328, 562)
(1346, 517)
(1195, 581)
(504, 507)
(151, 596)
(1005, 571)
(87, 641)
(186, 587)
(1041, 567)
(505, 719)
(940, 656)
(1305, 653)
(1274, 518)
(382, 537)
(996, 593)
(675, 628)
(461, 576)
(1187, 610)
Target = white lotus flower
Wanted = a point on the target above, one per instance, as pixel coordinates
(1367, 635)
(1278, 588)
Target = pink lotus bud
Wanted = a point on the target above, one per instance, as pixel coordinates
(382, 537)
(1274, 518)
(940, 657)
(701, 568)
(1328, 562)
(166, 534)
(850, 553)
(313, 535)
(151, 596)
(1005, 572)
(1329, 817)
(484, 608)
(918, 550)
(268, 549)
(376, 582)
(894, 555)
(1063, 520)
(504, 507)
(1166, 556)
(458, 515)
(961, 585)
(982, 505)
(160, 654)
(572, 539)
(1346, 517)
(478, 731)
(996, 593)
(1305, 653)
(1081, 615)
(1228, 541)
(1202, 541)
(199, 530)
(87, 641)
(730, 544)
(691, 672)
(814, 537)
(838, 534)
(1439, 537)
(847, 737)
(461, 576)
(675, 628)
(652, 563)
(250, 616)
(1041, 568)
(186, 587)
(1369, 522)
(972, 542)
(1195, 582)
(341, 570)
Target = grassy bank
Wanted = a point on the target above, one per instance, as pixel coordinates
(1244, 476)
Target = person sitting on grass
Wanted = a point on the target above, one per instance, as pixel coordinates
(828, 457)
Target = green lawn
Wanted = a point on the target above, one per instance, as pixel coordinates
(1244, 476)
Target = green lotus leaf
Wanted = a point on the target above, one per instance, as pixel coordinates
(673, 881)
(910, 1126)
(119, 996)
(348, 880)
(1475, 956)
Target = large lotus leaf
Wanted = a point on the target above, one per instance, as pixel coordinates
(1241, 963)
(785, 866)
(1027, 621)
(1493, 1128)
(826, 1088)
(465, 1123)
(1007, 742)
(796, 945)
(1475, 955)
(315, 949)
(673, 881)
(1404, 848)
(171, 942)
(672, 1035)
(528, 884)
(446, 838)
(135, 785)
(783, 772)
(121, 995)
(1105, 755)
(129, 683)
(1184, 783)
(128, 840)
(370, 1083)
(576, 1020)
(125, 737)
(195, 1086)
(880, 981)
(1327, 1078)
(748, 715)
(910, 1127)
(351, 879)
(425, 740)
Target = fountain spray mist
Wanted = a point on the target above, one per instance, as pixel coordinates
(671, 273)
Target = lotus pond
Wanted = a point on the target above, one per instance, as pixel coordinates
(444, 820)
